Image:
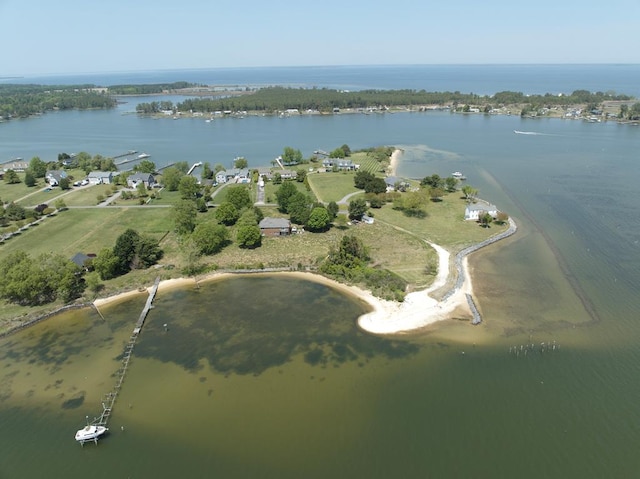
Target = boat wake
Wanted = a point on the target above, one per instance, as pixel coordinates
(518, 132)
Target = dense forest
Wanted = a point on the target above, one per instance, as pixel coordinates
(149, 89)
(280, 98)
(18, 101)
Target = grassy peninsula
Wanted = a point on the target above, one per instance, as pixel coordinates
(92, 219)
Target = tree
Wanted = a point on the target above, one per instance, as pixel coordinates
(361, 178)
(502, 217)
(11, 177)
(227, 214)
(434, 181)
(106, 264)
(145, 166)
(171, 178)
(333, 209)
(239, 197)
(291, 156)
(125, 250)
(15, 212)
(301, 175)
(210, 237)
(346, 150)
(436, 194)
(284, 194)
(29, 179)
(60, 205)
(207, 172)
(319, 219)
(485, 219)
(357, 208)
(337, 153)
(184, 216)
(469, 191)
(241, 162)
(38, 167)
(188, 187)
(299, 208)
(64, 183)
(375, 185)
(249, 236)
(26, 281)
(147, 253)
(142, 190)
(450, 184)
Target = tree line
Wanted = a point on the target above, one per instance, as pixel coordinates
(273, 99)
(19, 101)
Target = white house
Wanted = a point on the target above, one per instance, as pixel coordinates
(474, 210)
(100, 177)
(221, 177)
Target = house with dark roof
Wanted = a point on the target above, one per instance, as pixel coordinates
(53, 177)
(147, 179)
(275, 226)
(100, 177)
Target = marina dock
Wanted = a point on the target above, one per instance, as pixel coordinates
(109, 399)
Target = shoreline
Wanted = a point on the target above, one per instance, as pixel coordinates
(385, 317)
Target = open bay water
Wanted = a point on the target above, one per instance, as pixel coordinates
(260, 377)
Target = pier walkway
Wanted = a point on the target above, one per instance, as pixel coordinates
(109, 399)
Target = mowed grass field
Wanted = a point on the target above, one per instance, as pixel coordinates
(332, 186)
(88, 230)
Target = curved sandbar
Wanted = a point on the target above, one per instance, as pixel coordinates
(419, 309)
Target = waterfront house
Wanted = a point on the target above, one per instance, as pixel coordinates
(53, 177)
(16, 165)
(221, 177)
(100, 177)
(136, 179)
(275, 226)
(288, 174)
(473, 211)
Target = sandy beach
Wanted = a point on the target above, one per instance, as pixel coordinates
(394, 161)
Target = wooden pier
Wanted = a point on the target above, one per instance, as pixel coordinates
(109, 399)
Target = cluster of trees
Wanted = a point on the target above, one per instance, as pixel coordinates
(18, 214)
(630, 113)
(154, 107)
(131, 251)
(29, 281)
(303, 210)
(368, 182)
(149, 88)
(349, 261)
(18, 101)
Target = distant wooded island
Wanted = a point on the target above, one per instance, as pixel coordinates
(19, 101)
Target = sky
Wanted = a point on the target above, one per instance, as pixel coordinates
(80, 36)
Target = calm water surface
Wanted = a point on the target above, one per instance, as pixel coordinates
(261, 377)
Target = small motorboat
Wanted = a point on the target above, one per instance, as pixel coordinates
(90, 433)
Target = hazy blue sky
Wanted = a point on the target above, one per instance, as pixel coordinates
(73, 36)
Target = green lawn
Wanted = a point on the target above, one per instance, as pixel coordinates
(88, 230)
(332, 186)
(9, 193)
